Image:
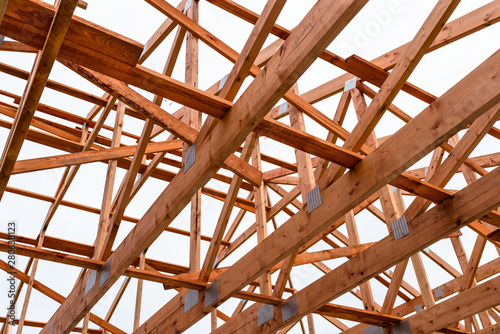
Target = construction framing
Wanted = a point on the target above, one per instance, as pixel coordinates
(217, 134)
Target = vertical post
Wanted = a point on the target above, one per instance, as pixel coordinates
(138, 299)
(260, 216)
(193, 119)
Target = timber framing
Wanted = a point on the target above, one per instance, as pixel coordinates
(345, 213)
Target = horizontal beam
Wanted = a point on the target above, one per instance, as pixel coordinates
(38, 324)
(31, 165)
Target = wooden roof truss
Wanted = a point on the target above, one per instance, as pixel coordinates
(325, 188)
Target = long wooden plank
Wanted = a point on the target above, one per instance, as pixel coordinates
(305, 142)
(159, 35)
(38, 324)
(31, 165)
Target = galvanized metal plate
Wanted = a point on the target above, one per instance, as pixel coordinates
(190, 157)
(144, 49)
(264, 314)
(222, 82)
(400, 227)
(402, 328)
(212, 294)
(1, 39)
(374, 330)
(313, 199)
(51, 327)
(283, 108)
(105, 273)
(90, 281)
(187, 6)
(289, 309)
(350, 84)
(190, 300)
(418, 308)
(439, 293)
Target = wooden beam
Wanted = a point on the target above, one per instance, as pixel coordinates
(16, 46)
(307, 143)
(31, 165)
(490, 330)
(473, 264)
(159, 35)
(3, 7)
(38, 324)
(370, 72)
(260, 218)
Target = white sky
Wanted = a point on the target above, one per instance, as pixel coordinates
(380, 27)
